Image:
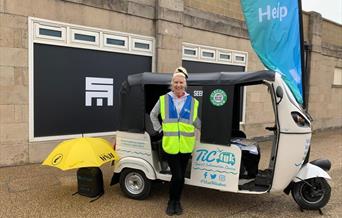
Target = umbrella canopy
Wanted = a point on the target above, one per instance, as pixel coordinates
(81, 152)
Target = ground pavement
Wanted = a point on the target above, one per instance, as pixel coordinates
(41, 191)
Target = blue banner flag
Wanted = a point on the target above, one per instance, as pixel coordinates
(273, 27)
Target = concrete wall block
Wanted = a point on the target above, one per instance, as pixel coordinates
(117, 5)
(13, 21)
(253, 109)
(7, 114)
(315, 22)
(16, 57)
(257, 129)
(229, 8)
(13, 154)
(12, 7)
(223, 27)
(13, 133)
(331, 33)
(332, 50)
(93, 17)
(254, 97)
(69, 13)
(327, 123)
(140, 26)
(47, 9)
(141, 10)
(21, 76)
(40, 150)
(201, 37)
(169, 55)
(20, 38)
(2, 6)
(13, 95)
(168, 28)
(176, 5)
(170, 15)
(21, 113)
(168, 66)
(6, 37)
(7, 77)
(145, 2)
(169, 42)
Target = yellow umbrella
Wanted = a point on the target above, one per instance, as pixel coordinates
(81, 152)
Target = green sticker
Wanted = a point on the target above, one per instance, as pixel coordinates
(218, 97)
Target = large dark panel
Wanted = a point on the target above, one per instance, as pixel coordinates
(217, 120)
(60, 89)
(203, 67)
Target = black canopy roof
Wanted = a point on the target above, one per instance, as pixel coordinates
(216, 78)
(137, 98)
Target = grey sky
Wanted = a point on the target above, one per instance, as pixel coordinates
(329, 9)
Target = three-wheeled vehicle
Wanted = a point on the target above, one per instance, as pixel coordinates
(223, 159)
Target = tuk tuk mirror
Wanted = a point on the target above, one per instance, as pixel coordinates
(279, 94)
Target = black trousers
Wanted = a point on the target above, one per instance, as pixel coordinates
(177, 163)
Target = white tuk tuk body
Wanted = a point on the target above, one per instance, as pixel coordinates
(217, 166)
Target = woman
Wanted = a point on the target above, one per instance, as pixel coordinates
(178, 111)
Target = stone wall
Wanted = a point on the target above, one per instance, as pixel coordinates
(13, 88)
(217, 23)
(15, 147)
(325, 100)
(332, 33)
(227, 8)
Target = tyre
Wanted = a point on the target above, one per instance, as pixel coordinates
(311, 194)
(134, 184)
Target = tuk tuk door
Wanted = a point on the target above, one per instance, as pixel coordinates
(215, 162)
(293, 138)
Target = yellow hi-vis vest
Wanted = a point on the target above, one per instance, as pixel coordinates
(179, 132)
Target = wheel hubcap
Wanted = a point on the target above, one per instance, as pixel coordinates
(134, 183)
(312, 194)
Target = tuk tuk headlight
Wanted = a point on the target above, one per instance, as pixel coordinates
(300, 119)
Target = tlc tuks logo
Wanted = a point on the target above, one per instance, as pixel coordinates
(99, 89)
(277, 12)
(218, 156)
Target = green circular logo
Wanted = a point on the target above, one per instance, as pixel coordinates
(218, 97)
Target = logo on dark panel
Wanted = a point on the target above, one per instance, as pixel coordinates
(218, 97)
(99, 89)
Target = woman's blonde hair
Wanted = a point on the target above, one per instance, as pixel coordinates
(180, 71)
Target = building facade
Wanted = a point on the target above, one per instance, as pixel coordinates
(38, 38)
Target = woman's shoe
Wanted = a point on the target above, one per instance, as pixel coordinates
(178, 208)
(170, 210)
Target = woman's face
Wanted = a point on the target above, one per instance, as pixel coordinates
(178, 85)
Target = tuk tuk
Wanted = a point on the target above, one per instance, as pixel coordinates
(223, 158)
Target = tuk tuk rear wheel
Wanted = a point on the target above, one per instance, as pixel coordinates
(134, 184)
(311, 194)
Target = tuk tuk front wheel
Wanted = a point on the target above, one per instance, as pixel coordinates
(134, 184)
(311, 194)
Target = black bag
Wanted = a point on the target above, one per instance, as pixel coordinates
(90, 182)
(249, 164)
(250, 157)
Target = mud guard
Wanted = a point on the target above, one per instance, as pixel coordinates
(134, 163)
(115, 179)
(309, 171)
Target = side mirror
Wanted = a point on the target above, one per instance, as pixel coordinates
(279, 94)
